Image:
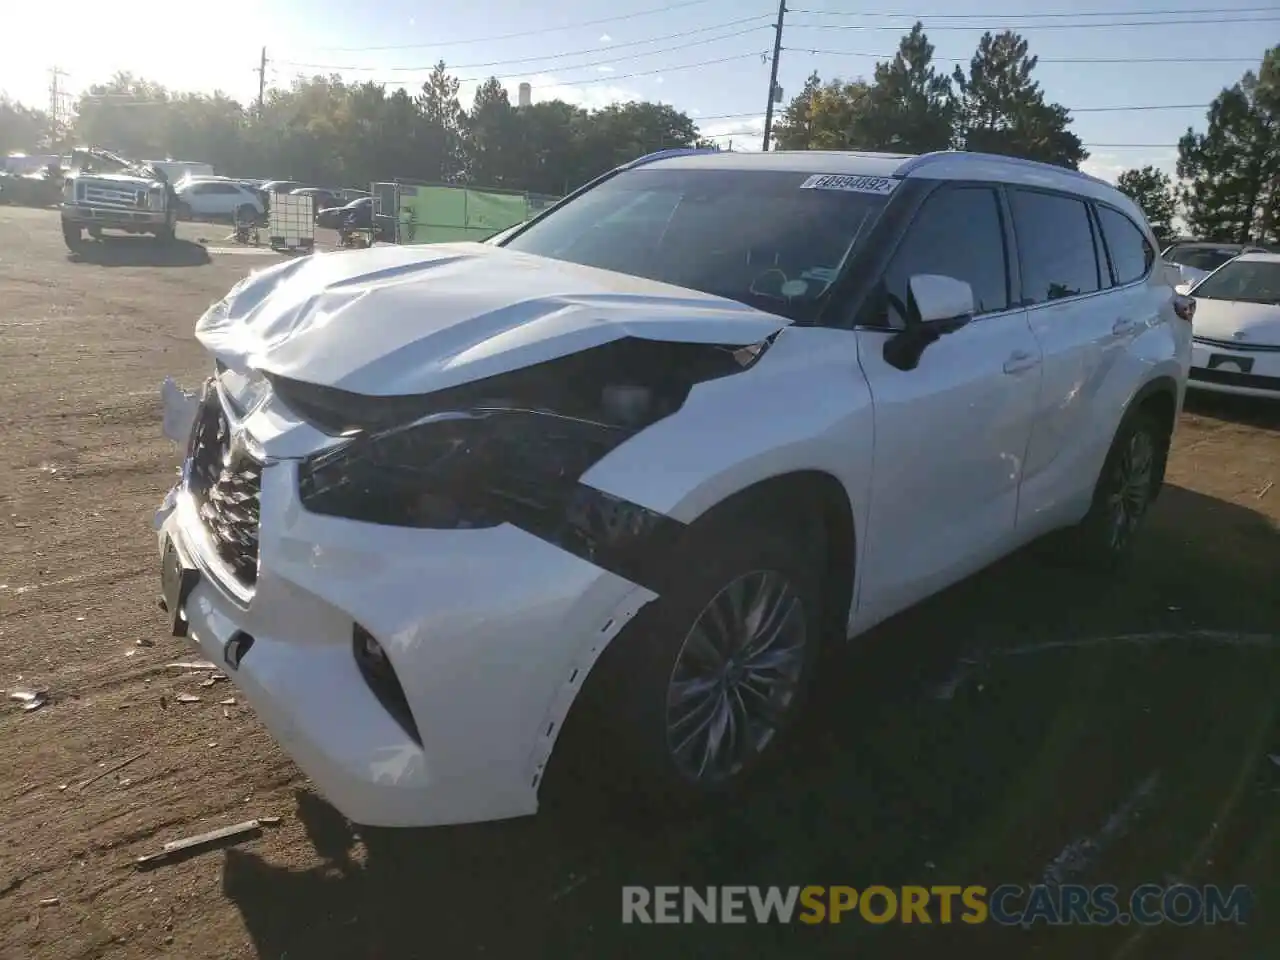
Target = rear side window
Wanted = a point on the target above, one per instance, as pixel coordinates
(958, 233)
(1055, 246)
(1131, 254)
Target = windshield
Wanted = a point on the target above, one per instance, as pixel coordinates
(758, 237)
(1249, 281)
(1202, 258)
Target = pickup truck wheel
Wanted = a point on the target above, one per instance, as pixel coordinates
(247, 213)
(182, 211)
(167, 232)
(702, 686)
(1125, 490)
(73, 236)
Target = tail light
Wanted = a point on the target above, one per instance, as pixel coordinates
(1184, 307)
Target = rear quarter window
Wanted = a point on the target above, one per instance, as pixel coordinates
(1131, 254)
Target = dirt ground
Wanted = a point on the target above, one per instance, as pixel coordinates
(971, 741)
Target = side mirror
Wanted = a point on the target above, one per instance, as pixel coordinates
(934, 298)
(936, 305)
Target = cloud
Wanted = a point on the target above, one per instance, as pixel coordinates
(659, 79)
(605, 38)
(746, 134)
(1108, 166)
(604, 69)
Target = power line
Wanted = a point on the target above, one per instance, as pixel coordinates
(523, 34)
(610, 78)
(906, 27)
(1038, 16)
(1124, 60)
(567, 53)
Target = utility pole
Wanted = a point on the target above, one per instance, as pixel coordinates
(262, 80)
(56, 109)
(773, 74)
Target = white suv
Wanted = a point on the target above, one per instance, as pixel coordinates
(644, 456)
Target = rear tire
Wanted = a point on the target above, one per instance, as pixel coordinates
(1126, 488)
(700, 690)
(183, 211)
(167, 233)
(73, 236)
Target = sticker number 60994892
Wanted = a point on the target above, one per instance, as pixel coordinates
(853, 184)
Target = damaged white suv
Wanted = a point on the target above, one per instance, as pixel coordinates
(655, 447)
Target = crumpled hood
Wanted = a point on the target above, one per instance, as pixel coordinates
(1247, 323)
(403, 320)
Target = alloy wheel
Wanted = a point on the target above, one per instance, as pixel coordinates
(736, 676)
(1130, 492)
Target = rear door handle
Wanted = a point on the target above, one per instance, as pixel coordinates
(1020, 360)
(1124, 325)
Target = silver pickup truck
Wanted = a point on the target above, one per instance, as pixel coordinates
(105, 192)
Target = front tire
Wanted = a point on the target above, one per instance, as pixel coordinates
(701, 688)
(1126, 488)
(73, 236)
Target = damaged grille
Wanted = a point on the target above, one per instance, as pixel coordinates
(226, 484)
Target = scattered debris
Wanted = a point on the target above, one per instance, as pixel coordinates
(144, 642)
(229, 702)
(113, 768)
(223, 836)
(30, 699)
(187, 698)
(574, 883)
(192, 665)
(1265, 487)
(214, 678)
(50, 902)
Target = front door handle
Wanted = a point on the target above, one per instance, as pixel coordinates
(1124, 325)
(1020, 360)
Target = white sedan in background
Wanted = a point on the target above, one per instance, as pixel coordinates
(1236, 346)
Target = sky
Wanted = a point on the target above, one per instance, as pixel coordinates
(706, 57)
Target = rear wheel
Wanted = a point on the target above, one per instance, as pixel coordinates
(167, 233)
(73, 236)
(1125, 490)
(701, 688)
(247, 214)
(183, 211)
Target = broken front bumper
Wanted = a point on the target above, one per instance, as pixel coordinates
(490, 633)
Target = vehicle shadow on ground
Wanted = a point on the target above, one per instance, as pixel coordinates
(972, 740)
(1257, 412)
(141, 252)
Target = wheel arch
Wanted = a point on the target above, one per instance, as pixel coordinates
(820, 505)
(1158, 397)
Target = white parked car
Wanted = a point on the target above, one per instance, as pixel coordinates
(646, 456)
(1236, 343)
(206, 198)
(1196, 259)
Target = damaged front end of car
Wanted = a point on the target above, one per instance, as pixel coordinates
(512, 448)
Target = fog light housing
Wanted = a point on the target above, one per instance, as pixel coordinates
(375, 666)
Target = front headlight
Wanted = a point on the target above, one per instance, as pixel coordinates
(245, 391)
(511, 448)
(476, 468)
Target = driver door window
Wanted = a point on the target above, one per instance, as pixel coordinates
(958, 233)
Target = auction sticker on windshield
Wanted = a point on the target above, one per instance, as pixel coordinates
(852, 184)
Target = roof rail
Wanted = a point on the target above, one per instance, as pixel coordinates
(916, 163)
(664, 154)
